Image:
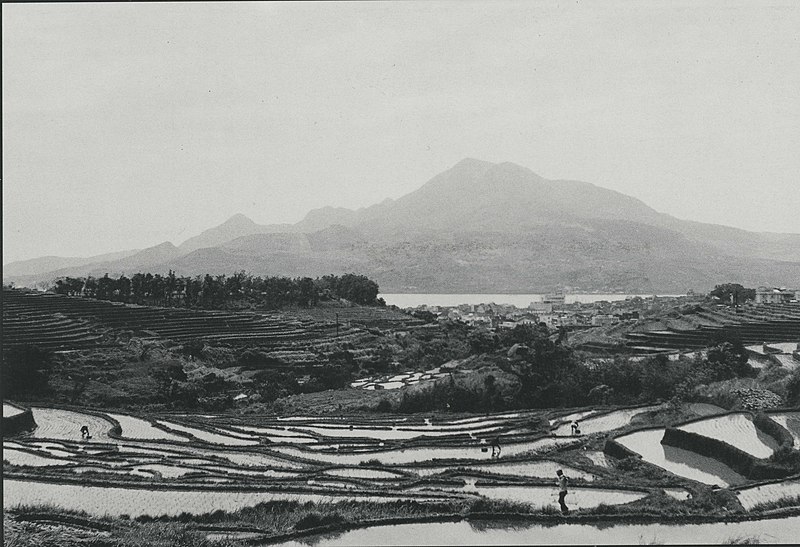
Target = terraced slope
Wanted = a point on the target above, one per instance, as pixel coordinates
(697, 328)
(61, 322)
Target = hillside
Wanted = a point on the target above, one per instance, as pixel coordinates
(477, 227)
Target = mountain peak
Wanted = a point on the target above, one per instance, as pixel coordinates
(238, 220)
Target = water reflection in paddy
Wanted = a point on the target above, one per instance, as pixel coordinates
(511, 533)
(681, 462)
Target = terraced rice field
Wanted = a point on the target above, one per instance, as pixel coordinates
(737, 430)
(684, 463)
(542, 469)
(754, 495)
(210, 437)
(783, 530)
(66, 425)
(422, 454)
(11, 410)
(538, 496)
(136, 428)
(569, 418)
(114, 501)
(184, 463)
(791, 421)
(21, 457)
(604, 422)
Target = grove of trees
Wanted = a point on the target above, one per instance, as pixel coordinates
(207, 291)
(733, 293)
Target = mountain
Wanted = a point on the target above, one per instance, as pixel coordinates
(482, 227)
(236, 226)
(51, 263)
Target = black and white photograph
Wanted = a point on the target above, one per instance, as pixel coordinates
(380, 273)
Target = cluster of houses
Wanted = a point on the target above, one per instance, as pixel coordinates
(776, 295)
(554, 314)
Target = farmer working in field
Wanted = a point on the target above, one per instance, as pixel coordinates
(85, 432)
(496, 446)
(576, 430)
(562, 491)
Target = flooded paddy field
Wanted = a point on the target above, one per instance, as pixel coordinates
(737, 430)
(790, 421)
(115, 501)
(155, 465)
(684, 463)
(602, 423)
(752, 496)
(514, 533)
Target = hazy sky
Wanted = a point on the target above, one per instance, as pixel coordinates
(125, 125)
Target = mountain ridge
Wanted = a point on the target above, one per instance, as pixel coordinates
(462, 229)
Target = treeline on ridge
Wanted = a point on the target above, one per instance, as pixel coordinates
(239, 289)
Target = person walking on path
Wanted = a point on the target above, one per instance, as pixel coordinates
(576, 429)
(496, 446)
(562, 491)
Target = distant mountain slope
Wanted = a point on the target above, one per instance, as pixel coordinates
(236, 226)
(52, 263)
(482, 227)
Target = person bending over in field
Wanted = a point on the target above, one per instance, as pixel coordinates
(85, 432)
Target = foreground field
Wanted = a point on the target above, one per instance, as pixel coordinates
(227, 479)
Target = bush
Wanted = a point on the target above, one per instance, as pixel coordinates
(317, 520)
(25, 371)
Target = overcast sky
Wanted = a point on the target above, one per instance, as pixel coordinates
(126, 125)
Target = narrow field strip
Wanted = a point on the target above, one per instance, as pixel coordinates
(136, 428)
(754, 495)
(116, 501)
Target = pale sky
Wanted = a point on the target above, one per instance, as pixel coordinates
(126, 125)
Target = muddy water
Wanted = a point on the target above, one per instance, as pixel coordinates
(507, 533)
(679, 461)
